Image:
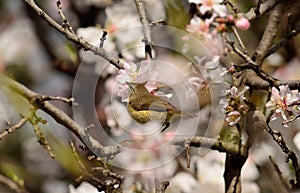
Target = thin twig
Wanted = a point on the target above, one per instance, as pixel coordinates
(12, 184)
(65, 21)
(13, 128)
(146, 28)
(290, 120)
(236, 34)
(34, 120)
(290, 155)
(102, 39)
(106, 172)
(269, 34)
(77, 157)
(70, 101)
(279, 173)
(187, 153)
(234, 8)
(239, 52)
(157, 23)
(288, 35)
(73, 37)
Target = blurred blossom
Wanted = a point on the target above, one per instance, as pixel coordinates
(284, 102)
(195, 1)
(155, 10)
(199, 27)
(242, 23)
(289, 70)
(83, 188)
(149, 159)
(209, 176)
(213, 6)
(212, 72)
(183, 182)
(275, 60)
(117, 117)
(296, 140)
(123, 24)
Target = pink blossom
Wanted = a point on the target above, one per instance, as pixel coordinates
(233, 118)
(234, 106)
(198, 26)
(284, 103)
(242, 23)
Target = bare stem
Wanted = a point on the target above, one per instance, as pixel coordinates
(13, 128)
(12, 184)
(146, 28)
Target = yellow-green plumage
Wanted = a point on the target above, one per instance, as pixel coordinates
(143, 106)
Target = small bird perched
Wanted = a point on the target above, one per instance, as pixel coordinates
(143, 106)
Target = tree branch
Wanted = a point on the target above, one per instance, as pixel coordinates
(73, 37)
(263, 8)
(12, 184)
(288, 35)
(60, 117)
(13, 128)
(269, 34)
(276, 168)
(198, 141)
(290, 155)
(146, 28)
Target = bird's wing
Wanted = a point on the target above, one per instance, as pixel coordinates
(151, 103)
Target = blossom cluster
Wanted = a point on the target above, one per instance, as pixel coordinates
(211, 17)
(284, 103)
(131, 73)
(234, 105)
(150, 158)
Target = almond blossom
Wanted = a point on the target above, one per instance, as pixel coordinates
(234, 106)
(284, 102)
(146, 71)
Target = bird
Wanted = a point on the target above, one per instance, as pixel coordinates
(144, 106)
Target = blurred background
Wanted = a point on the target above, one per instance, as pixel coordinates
(42, 59)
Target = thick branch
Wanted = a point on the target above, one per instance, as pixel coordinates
(263, 8)
(269, 34)
(214, 144)
(73, 37)
(256, 78)
(59, 116)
